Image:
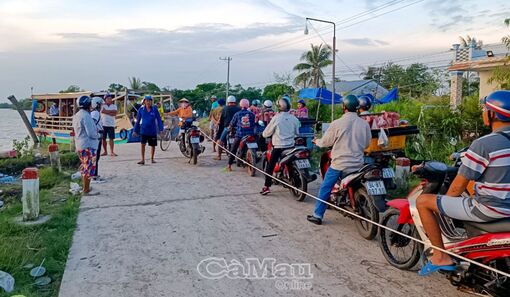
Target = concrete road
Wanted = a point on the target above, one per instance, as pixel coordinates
(152, 225)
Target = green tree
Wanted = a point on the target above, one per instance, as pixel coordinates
(501, 75)
(310, 69)
(150, 87)
(135, 83)
(115, 87)
(415, 80)
(273, 91)
(72, 89)
(506, 39)
(251, 93)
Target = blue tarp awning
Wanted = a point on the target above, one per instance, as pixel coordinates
(320, 94)
(391, 96)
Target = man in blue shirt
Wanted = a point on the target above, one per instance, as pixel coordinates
(148, 125)
(244, 124)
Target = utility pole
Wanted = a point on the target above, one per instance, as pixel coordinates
(228, 59)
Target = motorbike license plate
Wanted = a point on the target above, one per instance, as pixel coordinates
(231, 140)
(195, 123)
(303, 164)
(375, 188)
(252, 145)
(195, 140)
(388, 173)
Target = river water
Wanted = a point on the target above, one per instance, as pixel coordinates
(11, 127)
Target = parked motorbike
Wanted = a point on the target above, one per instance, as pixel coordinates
(293, 167)
(248, 151)
(487, 243)
(362, 192)
(190, 140)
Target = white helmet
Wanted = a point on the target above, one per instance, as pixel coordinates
(231, 99)
(96, 101)
(268, 103)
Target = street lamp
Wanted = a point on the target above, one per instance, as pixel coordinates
(334, 60)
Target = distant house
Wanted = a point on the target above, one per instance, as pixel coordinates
(359, 87)
(482, 61)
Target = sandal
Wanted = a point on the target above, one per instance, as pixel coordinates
(153, 161)
(430, 268)
(141, 163)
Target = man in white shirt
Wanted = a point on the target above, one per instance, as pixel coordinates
(349, 136)
(108, 113)
(283, 128)
(97, 102)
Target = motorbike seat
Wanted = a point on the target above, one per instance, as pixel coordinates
(288, 151)
(362, 169)
(502, 225)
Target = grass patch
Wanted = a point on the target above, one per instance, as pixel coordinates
(22, 245)
(16, 165)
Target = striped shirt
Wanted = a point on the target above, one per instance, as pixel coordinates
(487, 162)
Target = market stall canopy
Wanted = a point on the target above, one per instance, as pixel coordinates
(391, 96)
(320, 94)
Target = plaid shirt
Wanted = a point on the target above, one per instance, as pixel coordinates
(244, 123)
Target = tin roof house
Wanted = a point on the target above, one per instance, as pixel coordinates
(483, 61)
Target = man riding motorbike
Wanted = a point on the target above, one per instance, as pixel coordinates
(226, 116)
(283, 128)
(243, 123)
(267, 112)
(364, 105)
(487, 163)
(349, 136)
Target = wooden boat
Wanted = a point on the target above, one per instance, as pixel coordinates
(58, 125)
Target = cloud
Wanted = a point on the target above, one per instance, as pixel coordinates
(76, 35)
(364, 42)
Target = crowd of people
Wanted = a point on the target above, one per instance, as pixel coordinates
(486, 162)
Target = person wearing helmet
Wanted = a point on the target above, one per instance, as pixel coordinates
(227, 114)
(283, 129)
(365, 103)
(255, 108)
(215, 118)
(95, 113)
(302, 111)
(348, 136)
(86, 141)
(148, 126)
(243, 123)
(108, 114)
(267, 112)
(214, 105)
(487, 164)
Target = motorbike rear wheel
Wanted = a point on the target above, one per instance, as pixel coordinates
(394, 246)
(194, 154)
(185, 149)
(298, 180)
(251, 158)
(366, 208)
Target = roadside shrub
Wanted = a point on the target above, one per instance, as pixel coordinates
(16, 165)
(49, 177)
(69, 160)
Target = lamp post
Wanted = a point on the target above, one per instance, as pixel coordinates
(334, 60)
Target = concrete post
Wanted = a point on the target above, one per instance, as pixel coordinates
(456, 89)
(402, 172)
(30, 198)
(54, 156)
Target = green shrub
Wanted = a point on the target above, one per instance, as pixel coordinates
(16, 165)
(69, 160)
(49, 177)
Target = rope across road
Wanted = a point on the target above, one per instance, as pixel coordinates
(361, 217)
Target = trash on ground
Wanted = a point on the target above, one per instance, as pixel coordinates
(42, 281)
(76, 175)
(1, 204)
(6, 281)
(6, 179)
(270, 235)
(37, 271)
(29, 266)
(75, 188)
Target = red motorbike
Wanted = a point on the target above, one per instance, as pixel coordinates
(248, 151)
(293, 167)
(487, 243)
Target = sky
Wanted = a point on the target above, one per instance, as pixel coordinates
(51, 44)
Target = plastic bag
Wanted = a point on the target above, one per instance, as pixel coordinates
(74, 188)
(383, 138)
(6, 281)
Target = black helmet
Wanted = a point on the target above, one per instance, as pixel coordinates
(351, 103)
(285, 100)
(84, 102)
(365, 102)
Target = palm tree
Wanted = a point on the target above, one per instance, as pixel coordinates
(310, 69)
(135, 83)
(506, 39)
(465, 42)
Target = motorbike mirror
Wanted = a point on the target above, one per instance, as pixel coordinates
(261, 123)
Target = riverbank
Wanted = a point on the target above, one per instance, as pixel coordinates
(11, 128)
